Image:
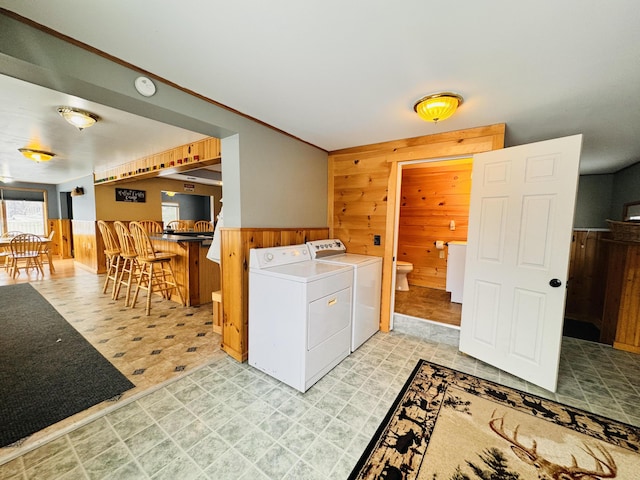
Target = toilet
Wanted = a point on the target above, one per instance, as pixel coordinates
(402, 269)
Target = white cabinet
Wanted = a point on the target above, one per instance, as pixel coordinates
(455, 270)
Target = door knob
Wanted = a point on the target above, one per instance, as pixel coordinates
(555, 283)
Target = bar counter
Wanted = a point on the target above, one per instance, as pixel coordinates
(197, 275)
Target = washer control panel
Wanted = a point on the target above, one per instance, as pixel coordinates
(324, 248)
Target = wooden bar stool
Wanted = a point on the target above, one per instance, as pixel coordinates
(112, 252)
(203, 226)
(155, 270)
(129, 268)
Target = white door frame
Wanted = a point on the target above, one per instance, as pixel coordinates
(396, 226)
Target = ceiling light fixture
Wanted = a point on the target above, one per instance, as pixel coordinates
(36, 155)
(78, 118)
(437, 106)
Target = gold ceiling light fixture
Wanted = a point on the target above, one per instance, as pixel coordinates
(437, 106)
(80, 119)
(36, 155)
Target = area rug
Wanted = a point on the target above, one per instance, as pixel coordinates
(448, 425)
(48, 371)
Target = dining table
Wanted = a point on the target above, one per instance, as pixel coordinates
(5, 245)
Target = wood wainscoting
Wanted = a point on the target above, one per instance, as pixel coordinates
(587, 279)
(235, 246)
(61, 244)
(622, 300)
(88, 247)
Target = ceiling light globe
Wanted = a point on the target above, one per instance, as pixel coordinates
(438, 106)
(36, 155)
(78, 118)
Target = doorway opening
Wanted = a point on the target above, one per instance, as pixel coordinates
(432, 210)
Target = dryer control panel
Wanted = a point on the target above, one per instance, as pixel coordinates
(276, 256)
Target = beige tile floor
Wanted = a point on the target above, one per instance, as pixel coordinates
(229, 421)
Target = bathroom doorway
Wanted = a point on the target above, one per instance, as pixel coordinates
(432, 210)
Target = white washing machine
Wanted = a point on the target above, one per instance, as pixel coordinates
(367, 286)
(299, 314)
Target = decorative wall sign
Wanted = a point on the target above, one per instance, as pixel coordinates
(189, 187)
(128, 195)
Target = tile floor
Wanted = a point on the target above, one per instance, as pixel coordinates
(148, 350)
(230, 421)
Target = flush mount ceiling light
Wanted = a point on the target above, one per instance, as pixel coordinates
(437, 106)
(36, 155)
(78, 118)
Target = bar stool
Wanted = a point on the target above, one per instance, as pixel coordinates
(203, 226)
(150, 226)
(155, 270)
(112, 252)
(129, 260)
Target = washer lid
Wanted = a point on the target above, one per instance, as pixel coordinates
(304, 271)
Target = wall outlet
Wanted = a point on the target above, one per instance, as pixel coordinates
(376, 239)
(441, 253)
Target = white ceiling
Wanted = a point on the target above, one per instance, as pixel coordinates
(341, 73)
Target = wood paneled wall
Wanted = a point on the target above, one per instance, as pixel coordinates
(432, 195)
(587, 279)
(235, 246)
(363, 188)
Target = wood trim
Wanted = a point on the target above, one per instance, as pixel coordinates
(387, 262)
(235, 245)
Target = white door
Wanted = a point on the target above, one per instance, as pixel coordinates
(520, 227)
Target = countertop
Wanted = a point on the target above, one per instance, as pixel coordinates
(204, 238)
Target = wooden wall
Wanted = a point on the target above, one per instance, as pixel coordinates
(363, 187)
(587, 278)
(432, 195)
(235, 246)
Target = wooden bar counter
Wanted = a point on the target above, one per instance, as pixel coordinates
(197, 275)
(622, 299)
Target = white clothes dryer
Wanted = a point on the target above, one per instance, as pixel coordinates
(367, 286)
(299, 314)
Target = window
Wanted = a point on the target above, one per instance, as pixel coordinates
(23, 210)
(170, 212)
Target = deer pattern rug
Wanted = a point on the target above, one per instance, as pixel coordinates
(448, 425)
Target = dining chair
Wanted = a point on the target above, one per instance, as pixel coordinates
(25, 248)
(129, 267)
(203, 226)
(112, 252)
(46, 253)
(155, 273)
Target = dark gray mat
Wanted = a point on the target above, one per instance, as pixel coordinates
(48, 371)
